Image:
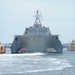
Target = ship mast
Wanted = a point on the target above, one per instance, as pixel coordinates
(37, 19)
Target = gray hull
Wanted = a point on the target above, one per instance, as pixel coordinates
(37, 43)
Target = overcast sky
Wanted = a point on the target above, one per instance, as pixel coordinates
(16, 15)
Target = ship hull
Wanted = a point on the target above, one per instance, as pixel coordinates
(36, 43)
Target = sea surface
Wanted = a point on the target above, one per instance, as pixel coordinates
(38, 63)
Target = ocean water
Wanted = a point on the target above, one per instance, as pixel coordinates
(38, 63)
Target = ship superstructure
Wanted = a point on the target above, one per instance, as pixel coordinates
(36, 38)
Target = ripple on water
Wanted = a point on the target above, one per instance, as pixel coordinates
(28, 63)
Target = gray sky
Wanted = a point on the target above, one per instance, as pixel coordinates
(16, 15)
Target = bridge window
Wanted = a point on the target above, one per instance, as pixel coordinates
(1, 48)
(57, 38)
(16, 38)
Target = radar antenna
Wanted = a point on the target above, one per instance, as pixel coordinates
(37, 16)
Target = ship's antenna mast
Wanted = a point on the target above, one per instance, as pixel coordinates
(37, 20)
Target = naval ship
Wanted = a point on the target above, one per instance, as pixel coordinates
(36, 38)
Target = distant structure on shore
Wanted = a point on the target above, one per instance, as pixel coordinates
(66, 45)
(7, 45)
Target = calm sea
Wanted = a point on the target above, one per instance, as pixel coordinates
(38, 63)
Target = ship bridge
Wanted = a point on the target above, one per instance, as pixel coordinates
(37, 28)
